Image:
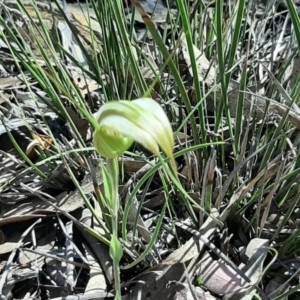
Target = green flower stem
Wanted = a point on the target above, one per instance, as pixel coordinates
(113, 169)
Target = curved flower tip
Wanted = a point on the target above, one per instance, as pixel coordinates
(142, 120)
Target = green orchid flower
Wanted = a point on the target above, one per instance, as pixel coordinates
(123, 122)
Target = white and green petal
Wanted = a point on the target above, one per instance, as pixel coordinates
(142, 120)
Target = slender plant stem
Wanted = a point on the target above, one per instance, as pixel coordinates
(113, 168)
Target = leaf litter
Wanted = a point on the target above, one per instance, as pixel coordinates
(44, 243)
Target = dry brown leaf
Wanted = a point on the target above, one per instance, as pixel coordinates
(39, 142)
(131, 166)
(206, 72)
(81, 124)
(171, 268)
(8, 82)
(182, 291)
(134, 217)
(37, 208)
(256, 253)
(219, 278)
